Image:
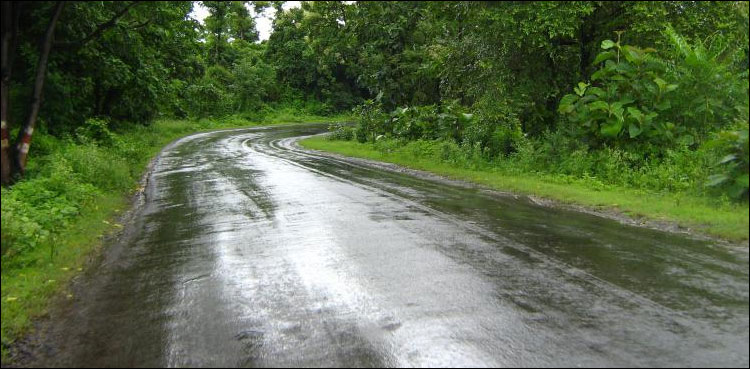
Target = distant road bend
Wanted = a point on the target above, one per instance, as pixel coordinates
(249, 251)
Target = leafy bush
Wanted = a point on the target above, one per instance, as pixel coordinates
(36, 208)
(95, 131)
(626, 105)
(371, 121)
(638, 100)
(712, 93)
(340, 131)
(210, 96)
(98, 166)
(417, 122)
(653, 132)
(733, 167)
(496, 132)
(254, 83)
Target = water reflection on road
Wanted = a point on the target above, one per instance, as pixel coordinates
(251, 252)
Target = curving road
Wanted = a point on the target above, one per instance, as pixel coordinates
(249, 251)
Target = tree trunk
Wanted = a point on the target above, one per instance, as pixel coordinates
(5, 173)
(24, 135)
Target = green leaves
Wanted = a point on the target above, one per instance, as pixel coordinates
(599, 105)
(567, 104)
(611, 128)
(630, 91)
(581, 88)
(664, 87)
(634, 130)
(603, 57)
(731, 171)
(636, 114)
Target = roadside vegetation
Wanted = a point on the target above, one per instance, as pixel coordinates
(642, 106)
(716, 216)
(599, 104)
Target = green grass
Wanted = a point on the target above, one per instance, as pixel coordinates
(26, 291)
(725, 220)
(56, 216)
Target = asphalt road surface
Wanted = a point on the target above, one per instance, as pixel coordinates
(249, 251)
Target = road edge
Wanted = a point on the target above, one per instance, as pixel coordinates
(609, 213)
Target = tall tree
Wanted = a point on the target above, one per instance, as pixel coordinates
(115, 59)
(24, 137)
(217, 26)
(25, 134)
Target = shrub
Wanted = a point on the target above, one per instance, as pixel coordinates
(98, 166)
(643, 102)
(371, 121)
(625, 102)
(36, 208)
(731, 171)
(712, 92)
(96, 131)
(340, 131)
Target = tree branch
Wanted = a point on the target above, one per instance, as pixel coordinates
(102, 27)
(139, 25)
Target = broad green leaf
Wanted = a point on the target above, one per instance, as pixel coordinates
(596, 91)
(661, 83)
(608, 44)
(617, 105)
(625, 68)
(599, 105)
(581, 89)
(664, 105)
(567, 103)
(634, 130)
(604, 56)
(633, 54)
(635, 113)
(598, 74)
(611, 129)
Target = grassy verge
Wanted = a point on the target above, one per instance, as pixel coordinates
(74, 189)
(725, 220)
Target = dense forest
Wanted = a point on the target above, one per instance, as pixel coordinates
(648, 95)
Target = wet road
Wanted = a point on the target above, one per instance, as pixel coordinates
(251, 252)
